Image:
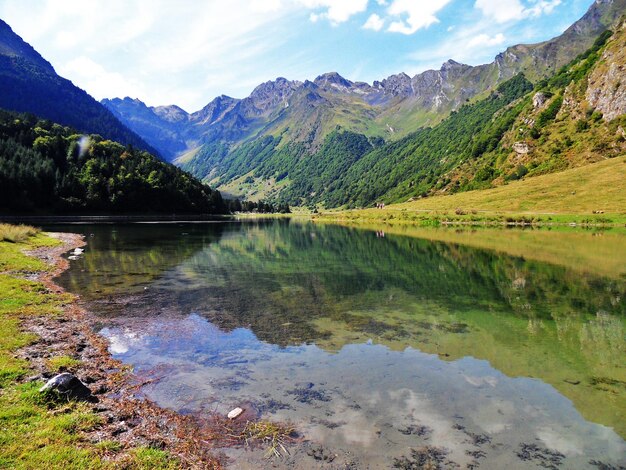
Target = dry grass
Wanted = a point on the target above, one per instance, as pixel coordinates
(272, 436)
(599, 186)
(269, 434)
(16, 233)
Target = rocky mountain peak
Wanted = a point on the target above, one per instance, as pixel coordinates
(126, 104)
(452, 65)
(332, 80)
(281, 85)
(270, 95)
(171, 113)
(396, 85)
(214, 110)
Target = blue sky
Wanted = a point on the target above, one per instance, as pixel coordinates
(186, 52)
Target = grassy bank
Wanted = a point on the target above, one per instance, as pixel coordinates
(36, 432)
(590, 195)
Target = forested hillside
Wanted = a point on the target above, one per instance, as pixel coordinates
(45, 167)
(261, 146)
(572, 118)
(29, 83)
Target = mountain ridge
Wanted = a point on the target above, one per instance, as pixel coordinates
(390, 108)
(29, 83)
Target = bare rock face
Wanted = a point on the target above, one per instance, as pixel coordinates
(539, 100)
(521, 148)
(396, 85)
(607, 84)
(69, 386)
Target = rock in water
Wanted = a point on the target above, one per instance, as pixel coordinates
(69, 386)
(234, 413)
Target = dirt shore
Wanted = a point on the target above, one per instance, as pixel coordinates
(126, 417)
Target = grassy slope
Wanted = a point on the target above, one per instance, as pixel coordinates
(35, 433)
(600, 186)
(576, 192)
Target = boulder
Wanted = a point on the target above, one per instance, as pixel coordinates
(539, 99)
(521, 148)
(69, 386)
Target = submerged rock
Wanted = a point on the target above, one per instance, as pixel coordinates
(235, 413)
(69, 386)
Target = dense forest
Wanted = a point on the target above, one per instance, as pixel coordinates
(51, 168)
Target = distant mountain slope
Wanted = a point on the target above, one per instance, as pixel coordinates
(573, 118)
(304, 113)
(161, 131)
(418, 159)
(28, 83)
(519, 130)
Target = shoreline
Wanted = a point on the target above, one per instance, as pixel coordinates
(125, 417)
(126, 420)
(357, 217)
(113, 219)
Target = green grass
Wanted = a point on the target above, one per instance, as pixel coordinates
(36, 432)
(148, 458)
(570, 196)
(63, 364)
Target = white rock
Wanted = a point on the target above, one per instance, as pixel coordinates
(234, 413)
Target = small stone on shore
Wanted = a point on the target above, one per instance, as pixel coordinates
(69, 386)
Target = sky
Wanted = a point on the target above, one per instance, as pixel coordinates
(187, 52)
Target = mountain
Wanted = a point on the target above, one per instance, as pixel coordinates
(162, 129)
(573, 118)
(29, 83)
(268, 144)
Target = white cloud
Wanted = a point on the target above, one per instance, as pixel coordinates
(95, 78)
(542, 7)
(336, 11)
(473, 44)
(486, 40)
(159, 51)
(503, 11)
(374, 22)
(419, 14)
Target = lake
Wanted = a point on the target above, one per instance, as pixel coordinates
(485, 348)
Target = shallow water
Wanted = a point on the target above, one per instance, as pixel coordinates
(375, 345)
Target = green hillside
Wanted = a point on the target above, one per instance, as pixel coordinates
(45, 167)
(519, 131)
(594, 193)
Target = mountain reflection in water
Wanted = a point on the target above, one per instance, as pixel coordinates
(367, 342)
